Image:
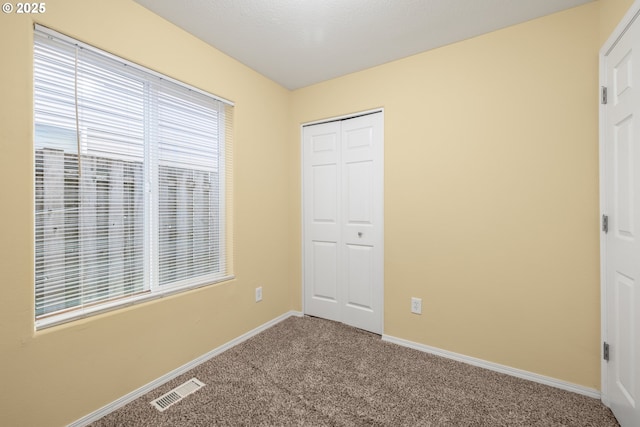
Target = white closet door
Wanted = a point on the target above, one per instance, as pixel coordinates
(362, 266)
(343, 221)
(321, 218)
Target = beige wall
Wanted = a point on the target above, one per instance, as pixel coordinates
(611, 12)
(491, 191)
(491, 207)
(56, 376)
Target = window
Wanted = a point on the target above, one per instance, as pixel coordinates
(132, 179)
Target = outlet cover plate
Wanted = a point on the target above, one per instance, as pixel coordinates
(259, 294)
(416, 305)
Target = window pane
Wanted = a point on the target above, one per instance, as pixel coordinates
(89, 225)
(189, 195)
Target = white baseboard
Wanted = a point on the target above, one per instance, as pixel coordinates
(96, 415)
(553, 382)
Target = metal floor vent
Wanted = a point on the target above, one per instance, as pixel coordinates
(177, 394)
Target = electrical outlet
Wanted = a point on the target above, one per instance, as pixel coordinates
(259, 294)
(416, 305)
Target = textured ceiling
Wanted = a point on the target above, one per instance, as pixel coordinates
(301, 42)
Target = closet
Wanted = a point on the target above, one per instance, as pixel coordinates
(343, 227)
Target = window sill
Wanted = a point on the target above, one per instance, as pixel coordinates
(82, 313)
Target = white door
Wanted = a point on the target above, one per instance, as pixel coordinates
(343, 221)
(621, 192)
(321, 219)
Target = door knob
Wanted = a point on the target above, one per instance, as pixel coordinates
(359, 233)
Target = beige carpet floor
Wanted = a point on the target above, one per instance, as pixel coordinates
(313, 372)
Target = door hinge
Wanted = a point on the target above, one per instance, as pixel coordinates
(603, 99)
(605, 351)
(605, 223)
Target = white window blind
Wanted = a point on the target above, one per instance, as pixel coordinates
(132, 182)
